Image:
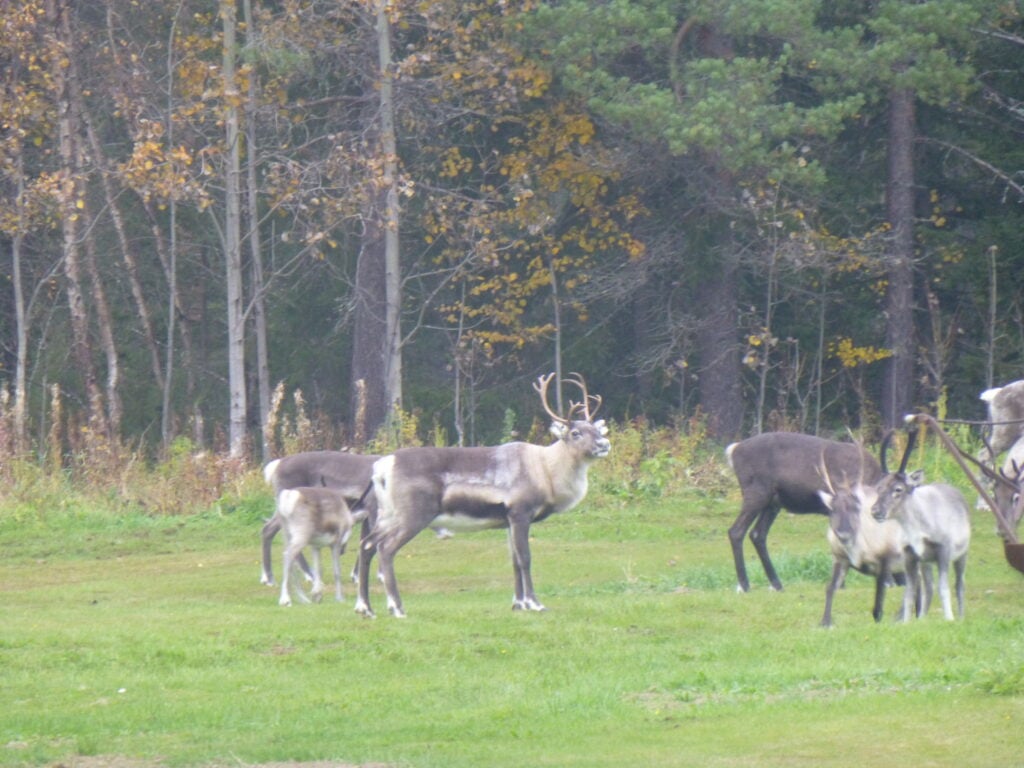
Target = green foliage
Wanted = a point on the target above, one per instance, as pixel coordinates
(649, 462)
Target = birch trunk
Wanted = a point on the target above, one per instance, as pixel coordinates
(259, 315)
(20, 319)
(232, 241)
(392, 261)
(69, 214)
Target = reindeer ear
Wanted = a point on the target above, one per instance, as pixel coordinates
(826, 499)
(559, 430)
(915, 478)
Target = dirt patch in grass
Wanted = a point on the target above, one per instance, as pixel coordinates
(114, 761)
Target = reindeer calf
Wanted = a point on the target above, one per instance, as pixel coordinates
(315, 517)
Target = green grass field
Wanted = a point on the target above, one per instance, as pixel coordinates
(127, 636)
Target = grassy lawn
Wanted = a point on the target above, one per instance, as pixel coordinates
(151, 638)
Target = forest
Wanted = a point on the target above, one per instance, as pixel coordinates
(221, 216)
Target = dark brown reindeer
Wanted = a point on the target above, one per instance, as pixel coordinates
(779, 470)
(507, 486)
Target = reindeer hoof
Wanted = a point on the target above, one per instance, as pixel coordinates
(269, 581)
(527, 605)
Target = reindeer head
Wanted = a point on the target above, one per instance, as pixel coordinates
(583, 435)
(1007, 495)
(894, 487)
(844, 503)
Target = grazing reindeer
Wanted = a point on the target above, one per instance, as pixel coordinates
(1006, 415)
(858, 541)
(314, 517)
(776, 471)
(1008, 485)
(346, 472)
(506, 486)
(936, 524)
(1005, 406)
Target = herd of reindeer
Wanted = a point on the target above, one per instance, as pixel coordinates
(891, 525)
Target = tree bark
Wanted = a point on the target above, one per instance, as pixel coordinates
(259, 315)
(376, 351)
(392, 261)
(69, 214)
(718, 351)
(232, 241)
(105, 325)
(897, 393)
(20, 317)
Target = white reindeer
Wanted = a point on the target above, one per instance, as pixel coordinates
(507, 486)
(1005, 431)
(936, 522)
(314, 517)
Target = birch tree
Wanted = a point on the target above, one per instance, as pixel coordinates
(232, 235)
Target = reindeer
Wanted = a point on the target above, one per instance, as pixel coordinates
(1006, 419)
(1007, 492)
(860, 542)
(315, 517)
(346, 472)
(1005, 428)
(506, 486)
(936, 524)
(776, 471)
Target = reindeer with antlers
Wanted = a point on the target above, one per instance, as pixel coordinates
(506, 486)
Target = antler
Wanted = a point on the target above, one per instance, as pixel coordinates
(541, 385)
(825, 476)
(584, 406)
(884, 449)
(911, 439)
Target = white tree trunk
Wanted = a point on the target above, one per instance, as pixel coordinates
(392, 261)
(232, 240)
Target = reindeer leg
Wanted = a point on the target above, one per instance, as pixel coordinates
(519, 543)
(386, 552)
(286, 568)
(737, 533)
(364, 532)
(926, 585)
(838, 574)
(367, 549)
(267, 534)
(959, 567)
(912, 568)
(389, 544)
(317, 593)
(337, 550)
(942, 560)
(759, 538)
(881, 582)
